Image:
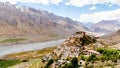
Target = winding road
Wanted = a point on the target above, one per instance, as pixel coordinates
(4, 50)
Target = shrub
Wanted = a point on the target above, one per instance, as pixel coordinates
(83, 57)
(92, 57)
(25, 60)
(109, 54)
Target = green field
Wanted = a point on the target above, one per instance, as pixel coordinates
(7, 63)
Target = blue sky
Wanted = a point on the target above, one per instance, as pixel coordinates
(70, 11)
(81, 10)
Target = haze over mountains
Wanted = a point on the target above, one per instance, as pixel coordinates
(104, 26)
(18, 20)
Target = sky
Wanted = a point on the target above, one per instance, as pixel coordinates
(81, 10)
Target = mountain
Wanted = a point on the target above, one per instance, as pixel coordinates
(113, 38)
(106, 26)
(18, 20)
(89, 25)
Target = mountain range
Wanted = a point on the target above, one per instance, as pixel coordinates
(20, 20)
(16, 20)
(105, 26)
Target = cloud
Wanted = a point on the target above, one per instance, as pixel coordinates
(110, 5)
(45, 2)
(99, 16)
(81, 3)
(92, 8)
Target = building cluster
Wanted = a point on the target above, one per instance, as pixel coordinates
(70, 48)
(65, 51)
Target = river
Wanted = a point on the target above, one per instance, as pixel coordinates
(5, 49)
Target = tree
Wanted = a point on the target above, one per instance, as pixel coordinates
(74, 61)
(101, 50)
(49, 63)
(73, 64)
(92, 57)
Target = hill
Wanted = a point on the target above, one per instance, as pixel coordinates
(113, 38)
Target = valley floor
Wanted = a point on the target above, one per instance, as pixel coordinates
(4, 50)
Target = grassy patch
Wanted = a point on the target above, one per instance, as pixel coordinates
(25, 57)
(30, 54)
(7, 63)
(46, 50)
(109, 54)
(13, 40)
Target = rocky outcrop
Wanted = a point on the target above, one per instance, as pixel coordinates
(79, 39)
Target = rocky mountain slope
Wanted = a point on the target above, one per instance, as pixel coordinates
(107, 26)
(20, 20)
(113, 38)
